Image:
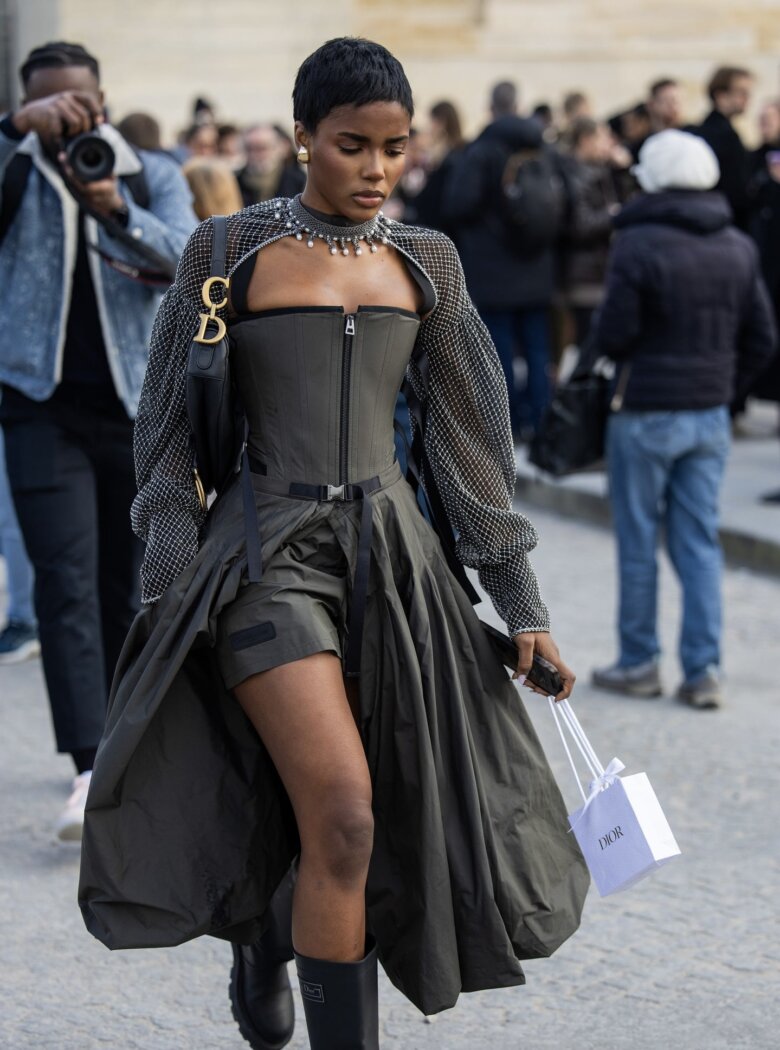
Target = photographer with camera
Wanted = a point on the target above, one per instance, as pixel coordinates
(90, 232)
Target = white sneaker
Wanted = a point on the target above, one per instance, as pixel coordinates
(71, 820)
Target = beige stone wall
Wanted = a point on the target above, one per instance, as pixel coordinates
(158, 54)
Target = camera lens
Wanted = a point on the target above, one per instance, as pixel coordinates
(90, 157)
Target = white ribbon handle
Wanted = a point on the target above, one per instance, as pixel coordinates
(602, 778)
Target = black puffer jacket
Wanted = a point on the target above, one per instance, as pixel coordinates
(498, 275)
(685, 303)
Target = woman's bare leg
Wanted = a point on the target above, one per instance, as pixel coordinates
(301, 712)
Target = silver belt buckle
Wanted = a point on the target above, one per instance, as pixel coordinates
(335, 492)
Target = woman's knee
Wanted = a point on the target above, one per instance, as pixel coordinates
(339, 835)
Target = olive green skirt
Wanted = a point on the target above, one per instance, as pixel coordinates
(188, 829)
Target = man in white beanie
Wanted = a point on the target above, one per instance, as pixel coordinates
(688, 320)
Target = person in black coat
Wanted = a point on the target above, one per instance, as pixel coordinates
(765, 229)
(446, 145)
(729, 90)
(688, 319)
(510, 282)
(599, 182)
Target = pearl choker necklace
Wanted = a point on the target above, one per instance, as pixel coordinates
(301, 225)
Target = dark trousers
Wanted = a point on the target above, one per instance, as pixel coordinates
(525, 332)
(71, 475)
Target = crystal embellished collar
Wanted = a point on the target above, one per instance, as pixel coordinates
(302, 225)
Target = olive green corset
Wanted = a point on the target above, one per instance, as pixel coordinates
(319, 389)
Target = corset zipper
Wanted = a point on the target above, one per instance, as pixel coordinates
(346, 371)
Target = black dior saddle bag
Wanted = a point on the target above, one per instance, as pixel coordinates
(216, 422)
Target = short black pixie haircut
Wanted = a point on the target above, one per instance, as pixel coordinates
(348, 71)
(58, 55)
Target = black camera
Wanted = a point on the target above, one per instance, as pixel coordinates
(90, 157)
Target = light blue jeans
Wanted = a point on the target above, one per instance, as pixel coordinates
(18, 569)
(666, 469)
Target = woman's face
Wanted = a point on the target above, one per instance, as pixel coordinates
(356, 156)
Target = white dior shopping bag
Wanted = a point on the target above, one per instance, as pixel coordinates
(621, 828)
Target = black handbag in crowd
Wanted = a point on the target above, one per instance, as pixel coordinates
(572, 436)
(216, 421)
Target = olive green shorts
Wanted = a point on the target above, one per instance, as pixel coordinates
(297, 609)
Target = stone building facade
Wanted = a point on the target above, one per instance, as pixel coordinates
(157, 55)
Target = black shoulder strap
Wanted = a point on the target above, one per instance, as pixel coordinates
(219, 246)
(12, 192)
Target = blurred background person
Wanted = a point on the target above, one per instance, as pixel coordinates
(597, 189)
(729, 91)
(765, 229)
(289, 152)
(19, 637)
(203, 112)
(506, 199)
(141, 130)
(215, 189)
(633, 127)
(769, 133)
(70, 387)
(230, 146)
(200, 140)
(664, 105)
(444, 144)
(268, 171)
(688, 319)
(576, 104)
(403, 204)
(543, 113)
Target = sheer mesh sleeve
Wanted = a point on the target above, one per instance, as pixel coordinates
(167, 513)
(469, 445)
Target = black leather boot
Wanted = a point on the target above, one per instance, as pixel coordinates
(260, 992)
(340, 1001)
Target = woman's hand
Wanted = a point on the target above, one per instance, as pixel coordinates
(543, 645)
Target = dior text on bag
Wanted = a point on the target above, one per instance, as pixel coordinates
(620, 828)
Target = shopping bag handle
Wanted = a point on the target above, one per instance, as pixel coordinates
(563, 714)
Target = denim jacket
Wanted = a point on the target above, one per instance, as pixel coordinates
(38, 255)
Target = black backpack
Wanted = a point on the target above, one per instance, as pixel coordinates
(532, 200)
(15, 183)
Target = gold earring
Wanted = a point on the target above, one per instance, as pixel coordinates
(303, 155)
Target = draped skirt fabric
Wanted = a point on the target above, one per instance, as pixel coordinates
(189, 831)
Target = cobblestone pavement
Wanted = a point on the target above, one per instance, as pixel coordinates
(689, 959)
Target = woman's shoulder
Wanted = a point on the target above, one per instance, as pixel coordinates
(432, 249)
(247, 230)
(422, 235)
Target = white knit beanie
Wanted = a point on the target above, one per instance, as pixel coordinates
(676, 160)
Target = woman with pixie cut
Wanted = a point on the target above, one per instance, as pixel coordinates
(323, 708)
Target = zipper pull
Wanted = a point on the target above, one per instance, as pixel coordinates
(350, 328)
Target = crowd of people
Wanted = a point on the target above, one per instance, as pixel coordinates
(531, 202)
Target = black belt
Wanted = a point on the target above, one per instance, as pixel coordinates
(357, 490)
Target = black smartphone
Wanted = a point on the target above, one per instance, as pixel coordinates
(543, 674)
